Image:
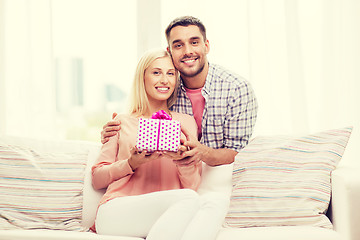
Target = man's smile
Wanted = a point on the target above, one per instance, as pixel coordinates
(189, 60)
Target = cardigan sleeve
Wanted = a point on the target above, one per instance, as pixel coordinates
(190, 176)
(108, 168)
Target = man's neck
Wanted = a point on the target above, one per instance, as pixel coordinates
(197, 81)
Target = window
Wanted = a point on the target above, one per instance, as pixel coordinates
(68, 65)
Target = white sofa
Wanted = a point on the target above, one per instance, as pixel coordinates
(344, 214)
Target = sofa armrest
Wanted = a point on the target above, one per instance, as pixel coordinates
(91, 196)
(345, 201)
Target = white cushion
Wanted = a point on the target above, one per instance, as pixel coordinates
(216, 179)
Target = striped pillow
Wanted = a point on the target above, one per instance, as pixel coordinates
(285, 181)
(41, 185)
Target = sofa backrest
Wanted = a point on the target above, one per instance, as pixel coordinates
(42, 182)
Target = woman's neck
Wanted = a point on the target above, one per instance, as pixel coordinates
(153, 108)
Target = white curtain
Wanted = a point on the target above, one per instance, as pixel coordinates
(301, 56)
(304, 59)
(65, 65)
(29, 105)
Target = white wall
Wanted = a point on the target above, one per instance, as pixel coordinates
(302, 57)
(2, 71)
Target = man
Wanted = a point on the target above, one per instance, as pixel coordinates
(222, 103)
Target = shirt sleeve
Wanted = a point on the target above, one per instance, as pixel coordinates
(108, 168)
(241, 117)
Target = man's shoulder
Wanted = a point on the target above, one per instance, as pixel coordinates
(222, 74)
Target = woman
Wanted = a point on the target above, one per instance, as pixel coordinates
(148, 194)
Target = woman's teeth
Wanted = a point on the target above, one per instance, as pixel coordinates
(162, 88)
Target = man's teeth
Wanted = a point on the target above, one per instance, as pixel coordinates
(190, 60)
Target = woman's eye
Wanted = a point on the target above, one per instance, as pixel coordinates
(156, 73)
(171, 73)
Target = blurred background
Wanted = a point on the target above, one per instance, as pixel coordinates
(67, 65)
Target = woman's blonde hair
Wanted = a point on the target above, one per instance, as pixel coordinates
(139, 101)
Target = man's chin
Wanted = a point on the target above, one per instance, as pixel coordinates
(188, 74)
(191, 72)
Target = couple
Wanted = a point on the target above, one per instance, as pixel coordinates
(154, 195)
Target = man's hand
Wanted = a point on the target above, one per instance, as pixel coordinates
(198, 152)
(191, 152)
(176, 155)
(110, 129)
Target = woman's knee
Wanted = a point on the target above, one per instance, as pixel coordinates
(190, 193)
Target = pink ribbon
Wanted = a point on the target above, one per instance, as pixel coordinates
(161, 115)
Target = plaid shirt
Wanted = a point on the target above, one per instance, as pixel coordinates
(230, 109)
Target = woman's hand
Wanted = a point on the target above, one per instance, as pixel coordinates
(138, 158)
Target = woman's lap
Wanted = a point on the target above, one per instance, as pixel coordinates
(135, 215)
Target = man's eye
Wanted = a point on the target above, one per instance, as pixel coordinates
(177, 46)
(195, 42)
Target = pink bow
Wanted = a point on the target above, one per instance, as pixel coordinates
(161, 115)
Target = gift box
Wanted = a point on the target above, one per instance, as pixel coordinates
(159, 132)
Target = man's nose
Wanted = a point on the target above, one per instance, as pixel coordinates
(188, 49)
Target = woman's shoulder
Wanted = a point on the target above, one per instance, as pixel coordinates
(187, 121)
(182, 116)
(125, 117)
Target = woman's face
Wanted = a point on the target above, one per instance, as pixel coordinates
(160, 80)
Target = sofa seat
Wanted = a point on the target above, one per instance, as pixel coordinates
(278, 233)
(343, 212)
(56, 235)
(253, 233)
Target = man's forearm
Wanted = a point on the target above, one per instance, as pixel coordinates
(221, 156)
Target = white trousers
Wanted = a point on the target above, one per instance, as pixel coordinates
(179, 214)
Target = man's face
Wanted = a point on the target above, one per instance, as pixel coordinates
(188, 50)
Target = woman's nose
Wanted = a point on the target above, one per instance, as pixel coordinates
(164, 79)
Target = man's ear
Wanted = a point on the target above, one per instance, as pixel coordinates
(168, 49)
(207, 46)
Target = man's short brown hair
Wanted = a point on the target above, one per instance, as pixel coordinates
(185, 21)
